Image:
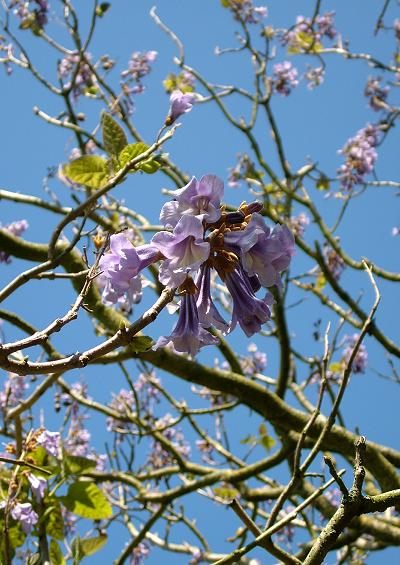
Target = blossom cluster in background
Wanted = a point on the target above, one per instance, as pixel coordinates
(202, 236)
(139, 66)
(33, 14)
(77, 75)
(17, 229)
(360, 157)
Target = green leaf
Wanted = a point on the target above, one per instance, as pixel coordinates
(323, 183)
(91, 545)
(129, 152)
(89, 170)
(77, 551)
(252, 440)
(267, 442)
(75, 464)
(336, 367)
(321, 281)
(141, 343)
(85, 499)
(226, 492)
(114, 138)
(55, 553)
(102, 9)
(54, 520)
(16, 536)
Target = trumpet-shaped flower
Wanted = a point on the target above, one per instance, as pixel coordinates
(184, 250)
(188, 336)
(198, 198)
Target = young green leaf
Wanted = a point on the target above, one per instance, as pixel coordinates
(55, 554)
(141, 343)
(114, 138)
(129, 152)
(75, 464)
(91, 545)
(89, 170)
(85, 499)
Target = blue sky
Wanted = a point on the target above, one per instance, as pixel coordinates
(314, 124)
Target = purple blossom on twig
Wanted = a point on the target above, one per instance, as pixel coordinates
(360, 155)
(376, 94)
(51, 442)
(25, 515)
(180, 104)
(38, 486)
(284, 78)
(360, 361)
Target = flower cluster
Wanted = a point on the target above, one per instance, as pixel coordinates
(13, 391)
(159, 457)
(299, 223)
(360, 361)
(243, 250)
(307, 34)
(314, 77)
(17, 229)
(51, 442)
(23, 513)
(139, 66)
(334, 262)
(284, 78)
(245, 11)
(360, 155)
(5, 54)
(32, 13)
(77, 75)
(376, 94)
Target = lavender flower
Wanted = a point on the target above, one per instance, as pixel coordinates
(121, 267)
(360, 361)
(13, 391)
(16, 229)
(38, 486)
(361, 155)
(284, 78)
(73, 67)
(139, 554)
(160, 457)
(180, 104)
(207, 311)
(198, 198)
(265, 253)
(334, 262)
(299, 223)
(304, 36)
(376, 94)
(50, 441)
(395, 231)
(139, 66)
(32, 13)
(245, 11)
(188, 336)
(248, 310)
(25, 515)
(184, 250)
(121, 403)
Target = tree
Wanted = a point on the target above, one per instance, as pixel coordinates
(131, 445)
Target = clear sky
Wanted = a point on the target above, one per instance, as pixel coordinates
(314, 124)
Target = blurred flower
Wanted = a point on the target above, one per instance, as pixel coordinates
(38, 486)
(51, 442)
(360, 155)
(25, 515)
(299, 223)
(334, 262)
(16, 229)
(284, 78)
(314, 76)
(139, 66)
(360, 361)
(246, 11)
(306, 34)
(139, 554)
(376, 94)
(13, 390)
(77, 75)
(160, 457)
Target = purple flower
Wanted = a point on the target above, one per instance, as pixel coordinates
(360, 155)
(73, 67)
(159, 457)
(265, 253)
(303, 36)
(14, 390)
(188, 336)
(360, 361)
(299, 223)
(207, 311)
(16, 229)
(121, 267)
(284, 78)
(248, 310)
(180, 104)
(24, 514)
(198, 198)
(334, 262)
(38, 486)
(184, 250)
(139, 554)
(50, 441)
(244, 10)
